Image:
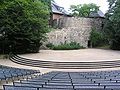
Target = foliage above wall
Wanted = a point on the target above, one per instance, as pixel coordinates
(83, 10)
(23, 24)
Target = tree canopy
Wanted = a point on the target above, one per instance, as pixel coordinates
(83, 10)
(112, 26)
(23, 25)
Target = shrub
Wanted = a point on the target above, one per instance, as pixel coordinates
(66, 46)
(23, 24)
(97, 38)
(50, 45)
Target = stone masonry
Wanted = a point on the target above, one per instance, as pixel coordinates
(75, 30)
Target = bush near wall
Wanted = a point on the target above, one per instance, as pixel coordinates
(23, 25)
(65, 46)
(97, 38)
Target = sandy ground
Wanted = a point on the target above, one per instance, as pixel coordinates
(83, 55)
(88, 55)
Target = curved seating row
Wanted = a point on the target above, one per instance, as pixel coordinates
(102, 80)
(64, 65)
(7, 73)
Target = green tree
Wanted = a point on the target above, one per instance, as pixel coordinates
(112, 26)
(48, 3)
(97, 38)
(83, 10)
(23, 24)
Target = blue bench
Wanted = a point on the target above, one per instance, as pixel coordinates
(9, 87)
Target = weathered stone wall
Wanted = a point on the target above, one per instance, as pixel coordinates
(83, 22)
(74, 30)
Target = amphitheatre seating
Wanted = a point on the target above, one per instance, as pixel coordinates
(99, 80)
(7, 73)
(64, 65)
(19, 88)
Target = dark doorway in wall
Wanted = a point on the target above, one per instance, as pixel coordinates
(89, 44)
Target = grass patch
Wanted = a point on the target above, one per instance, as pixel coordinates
(65, 46)
(6, 56)
(104, 47)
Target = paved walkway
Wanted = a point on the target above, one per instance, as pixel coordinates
(70, 55)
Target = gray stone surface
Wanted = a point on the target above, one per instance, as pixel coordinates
(75, 30)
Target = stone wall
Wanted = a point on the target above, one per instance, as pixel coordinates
(75, 30)
(83, 22)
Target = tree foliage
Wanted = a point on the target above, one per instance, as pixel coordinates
(97, 38)
(23, 24)
(112, 26)
(47, 2)
(83, 10)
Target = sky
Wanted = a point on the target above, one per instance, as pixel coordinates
(66, 3)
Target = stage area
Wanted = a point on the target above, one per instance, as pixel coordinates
(82, 55)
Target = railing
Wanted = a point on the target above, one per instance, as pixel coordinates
(64, 65)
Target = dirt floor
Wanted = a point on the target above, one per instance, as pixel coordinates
(86, 55)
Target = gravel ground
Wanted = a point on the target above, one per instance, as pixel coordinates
(88, 55)
(85, 55)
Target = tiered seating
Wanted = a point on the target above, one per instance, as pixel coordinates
(103, 80)
(64, 65)
(7, 73)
